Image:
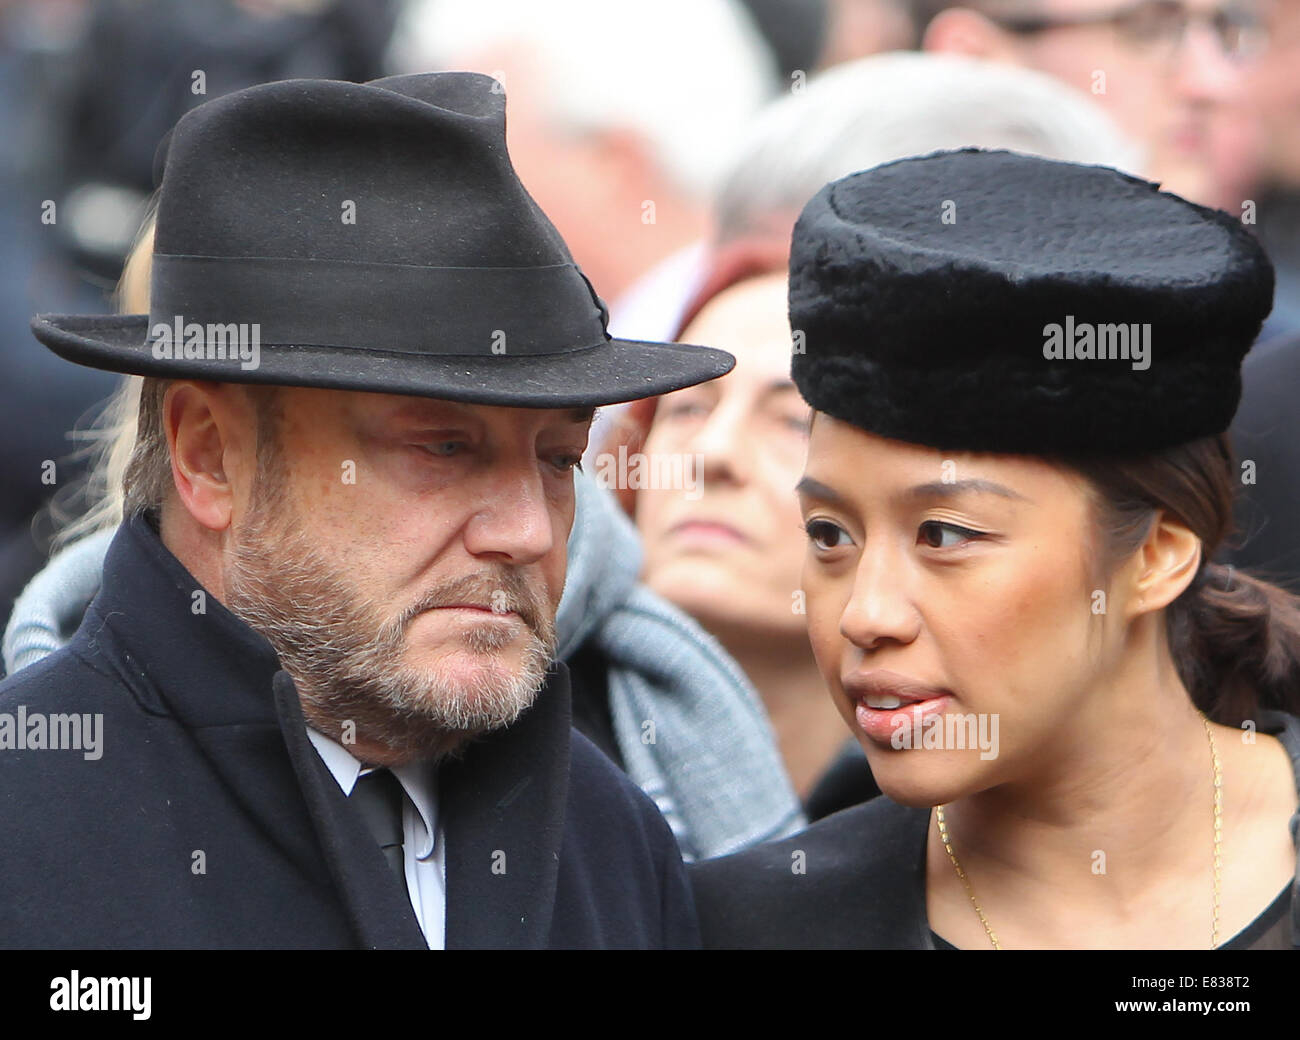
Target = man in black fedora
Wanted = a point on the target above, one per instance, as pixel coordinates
(315, 703)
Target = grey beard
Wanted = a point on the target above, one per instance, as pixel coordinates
(346, 658)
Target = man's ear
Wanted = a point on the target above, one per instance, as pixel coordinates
(959, 30)
(203, 424)
(1163, 566)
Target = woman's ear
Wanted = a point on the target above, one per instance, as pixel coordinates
(1163, 566)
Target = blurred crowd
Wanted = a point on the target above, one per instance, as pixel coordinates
(672, 144)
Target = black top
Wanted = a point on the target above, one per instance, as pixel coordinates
(857, 880)
(1271, 930)
(847, 781)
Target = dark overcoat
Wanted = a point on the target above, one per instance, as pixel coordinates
(205, 817)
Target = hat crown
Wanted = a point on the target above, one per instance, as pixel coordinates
(936, 295)
(404, 170)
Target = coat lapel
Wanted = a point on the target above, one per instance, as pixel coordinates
(503, 804)
(378, 911)
(208, 670)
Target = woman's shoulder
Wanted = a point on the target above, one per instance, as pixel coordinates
(853, 879)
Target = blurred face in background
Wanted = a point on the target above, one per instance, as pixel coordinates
(1273, 96)
(730, 552)
(1163, 69)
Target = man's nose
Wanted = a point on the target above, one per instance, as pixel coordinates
(513, 522)
(1204, 72)
(880, 608)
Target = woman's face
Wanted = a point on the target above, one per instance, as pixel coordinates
(729, 551)
(951, 609)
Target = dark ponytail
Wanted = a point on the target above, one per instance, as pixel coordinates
(1235, 638)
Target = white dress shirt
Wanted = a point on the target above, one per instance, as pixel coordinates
(423, 846)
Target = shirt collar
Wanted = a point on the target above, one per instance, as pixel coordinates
(418, 780)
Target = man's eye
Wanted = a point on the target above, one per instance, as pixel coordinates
(566, 463)
(938, 535)
(825, 535)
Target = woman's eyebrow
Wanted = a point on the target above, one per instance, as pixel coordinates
(809, 488)
(946, 489)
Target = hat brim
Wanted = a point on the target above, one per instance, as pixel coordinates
(609, 373)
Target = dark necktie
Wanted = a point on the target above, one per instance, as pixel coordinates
(378, 797)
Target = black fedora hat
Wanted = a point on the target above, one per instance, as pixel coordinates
(371, 237)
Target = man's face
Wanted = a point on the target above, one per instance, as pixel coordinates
(1163, 92)
(406, 557)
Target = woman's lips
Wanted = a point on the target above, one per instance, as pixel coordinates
(881, 724)
(706, 531)
(890, 706)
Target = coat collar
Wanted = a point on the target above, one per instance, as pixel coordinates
(181, 653)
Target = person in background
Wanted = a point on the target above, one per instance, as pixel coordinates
(1267, 174)
(889, 106)
(629, 114)
(1163, 69)
(728, 553)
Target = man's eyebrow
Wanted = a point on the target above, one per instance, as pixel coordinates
(427, 409)
(946, 489)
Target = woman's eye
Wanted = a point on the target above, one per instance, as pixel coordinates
(945, 536)
(683, 409)
(444, 449)
(825, 535)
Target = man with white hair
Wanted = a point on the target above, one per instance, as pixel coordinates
(889, 106)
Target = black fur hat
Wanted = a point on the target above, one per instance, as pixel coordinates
(990, 301)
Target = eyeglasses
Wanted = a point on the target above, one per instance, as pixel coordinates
(1158, 25)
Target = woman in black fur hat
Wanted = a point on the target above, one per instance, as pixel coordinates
(1021, 371)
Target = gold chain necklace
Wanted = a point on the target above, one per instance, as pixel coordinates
(1218, 860)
